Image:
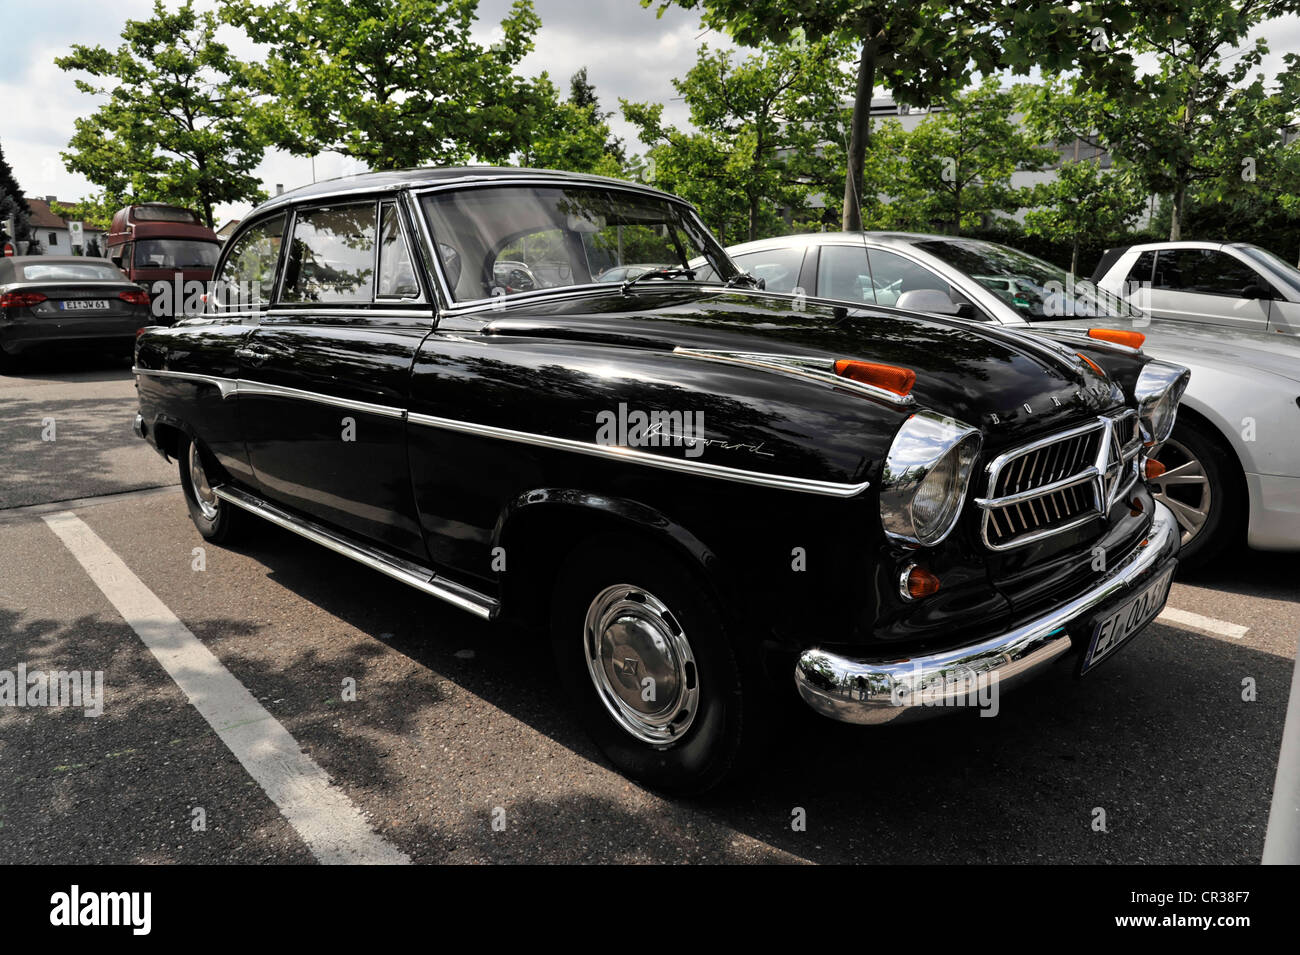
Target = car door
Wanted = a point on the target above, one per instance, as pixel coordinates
(1207, 286)
(324, 388)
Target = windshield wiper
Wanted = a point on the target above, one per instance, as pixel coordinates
(670, 273)
(748, 279)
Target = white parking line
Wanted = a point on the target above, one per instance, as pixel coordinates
(322, 814)
(1186, 618)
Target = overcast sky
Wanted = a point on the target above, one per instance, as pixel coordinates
(627, 50)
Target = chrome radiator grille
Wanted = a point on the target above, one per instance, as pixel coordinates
(1060, 481)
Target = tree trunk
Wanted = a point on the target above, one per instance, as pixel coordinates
(1074, 257)
(859, 137)
(753, 218)
(1176, 219)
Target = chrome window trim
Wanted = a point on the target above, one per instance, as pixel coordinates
(306, 208)
(237, 386)
(804, 366)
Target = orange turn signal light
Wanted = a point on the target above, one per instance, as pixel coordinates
(888, 377)
(1117, 336)
(1154, 469)
(1091, 364)
(920, 582)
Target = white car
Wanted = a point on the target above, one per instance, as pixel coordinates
(1234, 458)
(1212, 283)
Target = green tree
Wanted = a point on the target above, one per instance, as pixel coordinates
(178, 124)
(1199, 117)
(760, 127)
(96, 211)
(1085, 202)
(954, 170)
(570, 134)
(926, 49)
(393, 83)
(13, 204)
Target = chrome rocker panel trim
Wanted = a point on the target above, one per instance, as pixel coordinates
(864, 691)
(413, 575)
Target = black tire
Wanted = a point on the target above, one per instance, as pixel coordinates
(1221, 532)
(9, 364)
(723, 732)
(218, 521)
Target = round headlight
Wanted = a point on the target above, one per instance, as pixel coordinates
(926, 475)
(1159, 388)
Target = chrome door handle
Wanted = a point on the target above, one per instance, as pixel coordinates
(254, 356)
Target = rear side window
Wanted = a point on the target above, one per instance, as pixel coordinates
(843, 273)
(1202, 272)
(248, 275)
(332, 256)
(779, 268)
(1140, 274)
(894, 274)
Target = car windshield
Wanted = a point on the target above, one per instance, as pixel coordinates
(1279, 270)
(175, 254)
(71, 272)
(1036, 289)
(499, 240)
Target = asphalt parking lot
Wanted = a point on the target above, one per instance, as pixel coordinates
(457, 746)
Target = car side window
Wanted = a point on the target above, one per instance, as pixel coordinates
(1203, 272)
(1140, 274)
(843, 273)
(396, 273)
(332, 255)
(892, 275)
(247, 277)
(779, 268)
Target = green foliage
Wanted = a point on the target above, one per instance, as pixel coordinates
(96, 212)
(1085, 202)
(1198, 120)
(570, 134)
(393, 83)
(953, 171)
(178, 124)
(13, 203)
(758, 147)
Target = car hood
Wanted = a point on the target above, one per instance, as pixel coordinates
(1216, 346)
(987, 376)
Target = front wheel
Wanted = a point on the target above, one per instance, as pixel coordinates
(643, 651)
(217, 520)
(1200, 487)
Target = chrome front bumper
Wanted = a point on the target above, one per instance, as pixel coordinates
(874, 691)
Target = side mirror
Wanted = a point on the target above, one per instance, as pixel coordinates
(928, 300)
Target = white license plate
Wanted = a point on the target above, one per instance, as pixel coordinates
(1139, 611)
(85, 305)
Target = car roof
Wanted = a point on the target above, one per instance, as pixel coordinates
(395, 179)
(844, 238)
(54, 259)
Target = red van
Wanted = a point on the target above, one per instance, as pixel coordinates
(153, 243)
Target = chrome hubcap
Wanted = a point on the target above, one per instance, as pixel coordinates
(1183, 488)
(641, 664)
(203, 493)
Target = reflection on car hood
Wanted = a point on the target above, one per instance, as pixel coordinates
(1221, 346)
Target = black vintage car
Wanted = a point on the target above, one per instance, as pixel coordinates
(710, 495)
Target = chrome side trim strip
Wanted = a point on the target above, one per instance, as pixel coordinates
(231, 386)
(817, 369)
(246, 387)
(227, 386)
(874, 691)
(413, 575)
(696, 468)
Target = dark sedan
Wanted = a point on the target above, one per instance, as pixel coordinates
(59, 301)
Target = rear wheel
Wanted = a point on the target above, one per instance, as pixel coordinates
(9, 364)
(217, 520)
(1202, 490)
(642, 648)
